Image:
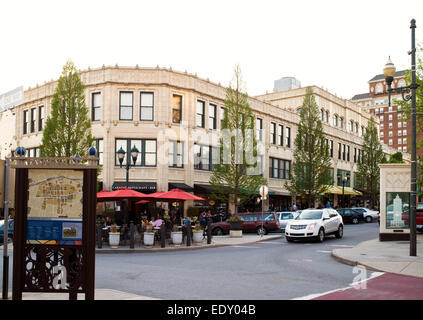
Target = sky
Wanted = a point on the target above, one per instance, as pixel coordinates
(335, 44)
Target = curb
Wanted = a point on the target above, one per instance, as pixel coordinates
(353, 263)
(182, 248)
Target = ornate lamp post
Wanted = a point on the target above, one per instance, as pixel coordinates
(263, 192)
(344, 178)
(408, 93)
(121, 155)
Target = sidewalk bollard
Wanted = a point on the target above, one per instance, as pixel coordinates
(208, 231)
(163, 235)
(123, 234)
(188, 231)
(131, 235)
(99, 237)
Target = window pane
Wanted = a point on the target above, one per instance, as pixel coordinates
(126, 113)
(146, 113)
(138, 145)
(97, 114)
(150, 159)
(126, 98)
(147, 99)
(120, 143)
(96, 99)
(150, 146)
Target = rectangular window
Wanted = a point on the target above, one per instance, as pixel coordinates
(96, 106)
(203, 157)
(25, 122)
(355, 155)
(33, 119)
(390, 117)
(359, 156)
(147, 152)
(404, 132)
(222, 116)
(399, 132)
(40, 118)
(273, 133)
(280, 135)
(331, 148)
(99, 150)
(212, 116)
(399, 124)
(279, 168)
(381, 134)
(339, 151)
(390, 125)
(176, 154)
(404, 149)
(390, 133)
(404, 141)
(200, 114)
(399, 141)
(348, 153)
(146, 106)
(288, 137)
(390, 142)
(176, 109)
(259, 129)
(343, 152)
(126, 105)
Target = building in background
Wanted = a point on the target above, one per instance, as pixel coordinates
(394, 130)
(286, 83)
(174, 119)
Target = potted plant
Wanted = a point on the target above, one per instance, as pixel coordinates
(176, 235)
(197, 233)
(235, 221)
(114, 236)
(149, 236)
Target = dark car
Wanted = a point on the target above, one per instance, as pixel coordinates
(351, 215)
(252, 222)
(9, 229)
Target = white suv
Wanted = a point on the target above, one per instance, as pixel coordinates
(315, 223)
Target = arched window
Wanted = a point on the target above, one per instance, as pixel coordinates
(379, 88)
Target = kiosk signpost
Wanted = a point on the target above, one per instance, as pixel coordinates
(54, 242)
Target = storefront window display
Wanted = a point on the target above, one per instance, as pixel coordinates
(397, 210)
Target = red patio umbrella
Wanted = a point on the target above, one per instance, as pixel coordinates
(122, 193)
(142, 202)
(176, 194)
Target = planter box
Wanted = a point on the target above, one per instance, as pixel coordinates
(176, 237)
(148, 238)
(236, 225)
(235, 233)
(197, 236)
(114, 238)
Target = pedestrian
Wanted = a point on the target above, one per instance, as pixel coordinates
(294, 207)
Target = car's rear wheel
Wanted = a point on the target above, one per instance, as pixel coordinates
(261, 231)
(369, 219)
(321, 235)
(218, 232)
(354, 220)
(340, 233)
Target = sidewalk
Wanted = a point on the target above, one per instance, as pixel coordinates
(217, 241)
(385, 256)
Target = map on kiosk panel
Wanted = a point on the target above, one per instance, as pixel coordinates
(55, 194)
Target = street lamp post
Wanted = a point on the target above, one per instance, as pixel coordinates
(344, 180)
(408, 93)
(121, 155)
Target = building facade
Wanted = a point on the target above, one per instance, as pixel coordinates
(174, 119)
(394, 129)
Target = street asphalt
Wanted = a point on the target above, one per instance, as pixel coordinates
(260, 271)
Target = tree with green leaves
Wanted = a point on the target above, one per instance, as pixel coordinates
(235, 178)
(310, 175)
(68, 128)
(371, 156)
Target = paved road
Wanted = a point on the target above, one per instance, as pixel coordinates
(268, 270)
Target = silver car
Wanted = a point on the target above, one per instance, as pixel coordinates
(283, 217)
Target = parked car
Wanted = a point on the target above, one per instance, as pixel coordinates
(419, 217)
(315, 224)
(9, 230)
(368, 215)
(351, 215)
(252, 222)
(284, 217)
